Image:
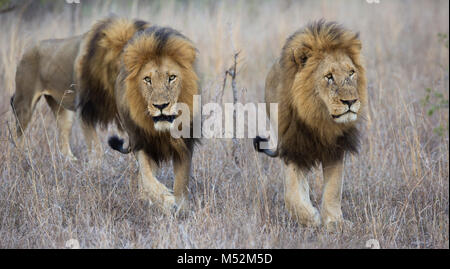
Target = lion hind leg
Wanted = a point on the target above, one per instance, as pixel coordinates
(151, 188)
(64, 122)
(28, 91)
(297, 198)
(23, 106)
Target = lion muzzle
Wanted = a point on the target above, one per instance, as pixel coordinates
(162, 118)
(349, 111)
(163, 115)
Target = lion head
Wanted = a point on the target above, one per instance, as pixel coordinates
(336, 84)
(328, 85)
(160, 74)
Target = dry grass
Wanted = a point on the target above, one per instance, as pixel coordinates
(396, 190)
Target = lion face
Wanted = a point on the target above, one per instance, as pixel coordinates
(336, 84)
(160, 85)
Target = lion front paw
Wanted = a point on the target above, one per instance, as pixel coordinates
(306, 215)
(168, 204)
(338, 225)
(67, 153)
(176, 206)
(164, 199)
(333, 219)
(182, 205)
(72, 158)
(312, 219)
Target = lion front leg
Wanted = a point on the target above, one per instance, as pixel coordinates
(150, 187)
(182, 169)
(332, 194)
(297, 197)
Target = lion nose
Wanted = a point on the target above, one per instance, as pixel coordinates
(349, 102)
(162, 106)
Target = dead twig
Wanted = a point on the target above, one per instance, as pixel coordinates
(232, 72)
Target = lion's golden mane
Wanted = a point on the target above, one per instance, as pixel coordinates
(116, 50)
(313, 137)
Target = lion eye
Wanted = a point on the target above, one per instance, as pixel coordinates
(352, 73)
(148, 80)
(172, 78)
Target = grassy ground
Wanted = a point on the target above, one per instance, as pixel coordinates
(395, 191)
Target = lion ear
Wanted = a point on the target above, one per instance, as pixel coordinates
(189, 55)
(301, 55)
(184, 53)
(358, 42)
(354, 45)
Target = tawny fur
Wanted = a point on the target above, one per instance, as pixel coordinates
(47, 70)
(145, 48)
(63, 69)
(115, 68)
(307, 135)
(115, 50)
(319, 83)
(154, 45)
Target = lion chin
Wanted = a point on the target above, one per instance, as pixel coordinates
(163, 126)
(164, 122)
(348, 117)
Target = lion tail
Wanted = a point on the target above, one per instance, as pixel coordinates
(116, 143)
(268, 152)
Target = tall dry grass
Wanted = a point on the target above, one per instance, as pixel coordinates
(396, 190)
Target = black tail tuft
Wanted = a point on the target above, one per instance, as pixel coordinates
(12, 101)
(116, 143)
(268, 152)
(256, 142)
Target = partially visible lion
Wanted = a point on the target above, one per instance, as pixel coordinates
(155, 74)
(319, 84)
(48, 70)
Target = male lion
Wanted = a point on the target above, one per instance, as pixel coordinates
(48, 69)
(155, 74)
(320, 85)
